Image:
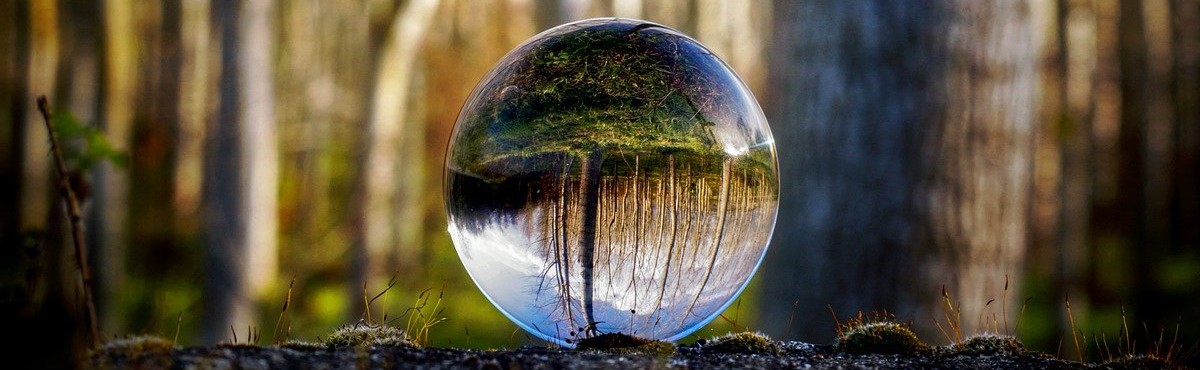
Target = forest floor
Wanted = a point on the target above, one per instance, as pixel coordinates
(693, 356)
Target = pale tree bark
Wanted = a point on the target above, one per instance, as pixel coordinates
(259, 144)
(240, 184)
(385, 227)
(979, 162)
(627, 8)
(905, 139)
(196, 87)
(40, 79)
(736, 31)
(110, 210)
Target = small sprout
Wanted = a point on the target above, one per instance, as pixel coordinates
(152, 351)
(625, 344)
(880, 337)
(368, 335)
(988, 344)
(744, 343)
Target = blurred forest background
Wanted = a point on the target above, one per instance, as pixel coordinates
(1022, 151)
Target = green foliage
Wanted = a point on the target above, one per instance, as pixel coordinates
(746, 342)
(367, 335)
(83, 145)
(605, 87)
(620, 343)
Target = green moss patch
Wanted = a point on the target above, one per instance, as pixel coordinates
(619, 343)
(148, 350)
(301, 345)
(741, 343)
(618, 87)
(367, 335)
(882, 337)
(988, 344)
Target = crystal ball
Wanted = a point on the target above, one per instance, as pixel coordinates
(611, 175)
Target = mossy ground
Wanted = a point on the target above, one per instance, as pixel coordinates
(741, 343)
(987, 344)
(619, 343)
(1139, 362)
(132, 349)
(607, 351)
(881, 337)
(367, 335)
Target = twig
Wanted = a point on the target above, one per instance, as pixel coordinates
(73, 213)
(286, 303)
(178, 323)
(1071, 318)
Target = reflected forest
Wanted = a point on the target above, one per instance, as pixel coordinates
(611, 176)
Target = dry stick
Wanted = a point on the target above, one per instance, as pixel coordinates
(1171, 349)
(1017, 328)
(1004, 306)
(1107, 352)
(64, 186)
(837, 324)
(1125, 328)
(178, 323)
(1071, 318)
(792, 318)
(286, 302)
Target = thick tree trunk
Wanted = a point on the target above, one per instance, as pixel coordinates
(110, 210)
(240, 184)
(1077, 56)
(39, 77)
(1185, 191)
(590, 182)
(904, 134)
(387, 219)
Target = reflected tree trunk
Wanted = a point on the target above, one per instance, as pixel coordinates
(590, 183)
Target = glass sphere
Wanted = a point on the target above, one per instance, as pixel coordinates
(611, 175)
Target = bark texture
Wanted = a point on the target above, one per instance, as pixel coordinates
(905, 140)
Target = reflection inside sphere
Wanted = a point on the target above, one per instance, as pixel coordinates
(611, 175)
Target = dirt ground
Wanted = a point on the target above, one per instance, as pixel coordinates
(694, 356)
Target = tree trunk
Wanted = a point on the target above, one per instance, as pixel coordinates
(1185, 191)
(39, 76)
(388, 131)
(14, 106)
(1075, 131)
(905, 130)
(241, 178)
